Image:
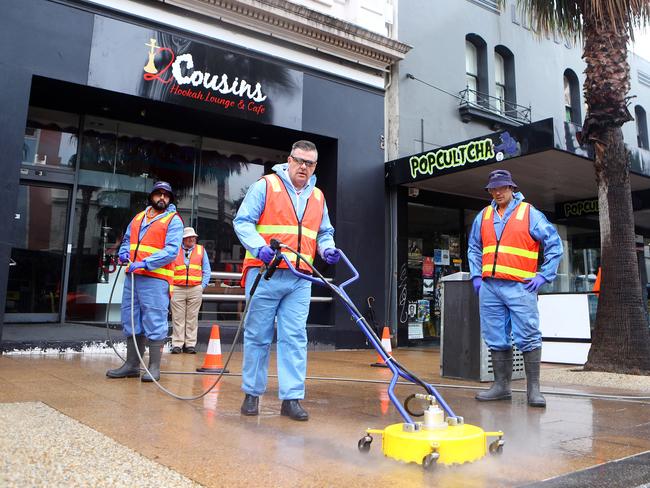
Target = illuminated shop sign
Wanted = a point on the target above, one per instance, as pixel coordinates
(186, 81)
(480, 151)
(472, 152)
(577, 208)
(161, 66)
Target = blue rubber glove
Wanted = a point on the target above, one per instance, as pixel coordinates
(137, 265)
(532, 285)
(331, 255)
(266, 254)
(476, 283)
(124, 256)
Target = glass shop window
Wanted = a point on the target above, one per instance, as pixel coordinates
(580, 262)
(434, 251)
(51, 138)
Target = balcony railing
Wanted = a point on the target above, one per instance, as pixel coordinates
(474, 104)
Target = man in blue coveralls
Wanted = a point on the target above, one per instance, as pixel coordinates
(503, 253)
(150, 244)
(286, 206)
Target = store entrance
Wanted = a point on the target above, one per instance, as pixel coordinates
(434, 251)
(35, 284)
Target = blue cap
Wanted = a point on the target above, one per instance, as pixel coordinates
(500, 177)
(163, 185)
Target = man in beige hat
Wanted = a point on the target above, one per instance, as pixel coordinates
(191, 276)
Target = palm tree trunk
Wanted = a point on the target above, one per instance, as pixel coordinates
(620, 341)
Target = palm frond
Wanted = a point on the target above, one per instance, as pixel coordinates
(566, 17)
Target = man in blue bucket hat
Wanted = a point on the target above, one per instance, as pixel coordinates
(503, 252)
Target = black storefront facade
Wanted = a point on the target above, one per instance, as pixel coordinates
(98, 105)
(439, 193)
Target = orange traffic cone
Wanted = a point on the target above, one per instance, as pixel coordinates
(212, 362)
(385, 341)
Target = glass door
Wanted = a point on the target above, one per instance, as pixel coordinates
(434, 251)
(35, 282)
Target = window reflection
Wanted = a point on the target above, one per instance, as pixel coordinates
(119, 163)
(227, 170)
(50, 138)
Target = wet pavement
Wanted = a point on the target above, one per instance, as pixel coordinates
(209, 442)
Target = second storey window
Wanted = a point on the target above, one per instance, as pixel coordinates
(476, 78)
(641, 127)
(505, 88)
(572, 97)
(500, 82)
(471, 70)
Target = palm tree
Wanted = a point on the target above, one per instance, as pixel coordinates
(621, 340)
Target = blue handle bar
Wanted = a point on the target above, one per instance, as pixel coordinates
(396, 371)
(318, 281)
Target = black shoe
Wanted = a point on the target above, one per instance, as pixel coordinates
(190, 350)
(176, 350)
(293, 410)
(250, 406)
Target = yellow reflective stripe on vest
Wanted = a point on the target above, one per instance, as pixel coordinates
(275, 183)
(511, 250)
(521, 210)
(194, 278)
(289, 254)
(162, 271)
(277, 229)
(149, 249)
(286, 229)
(508, 270)
(487, 214)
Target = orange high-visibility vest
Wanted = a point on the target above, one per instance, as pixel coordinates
(192, 273)
(279, 221)
(514, 256)
(596, 288)
(152, 241)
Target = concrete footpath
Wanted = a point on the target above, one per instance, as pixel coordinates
(65, 424)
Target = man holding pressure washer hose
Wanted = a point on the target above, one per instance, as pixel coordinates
(285, 206)
(150, 245)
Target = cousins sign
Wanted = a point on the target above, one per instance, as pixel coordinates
(168, 68)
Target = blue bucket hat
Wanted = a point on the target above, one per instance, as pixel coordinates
(163, 185)
(500, 177)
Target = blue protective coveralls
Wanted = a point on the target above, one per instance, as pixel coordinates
(151, 295)
(505, 306)
(284, 296)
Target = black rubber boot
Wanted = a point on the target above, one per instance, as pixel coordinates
(531, 364)
(131, 367)
(293, 410)
(502, 367)
(250, 405)
(155, 352)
